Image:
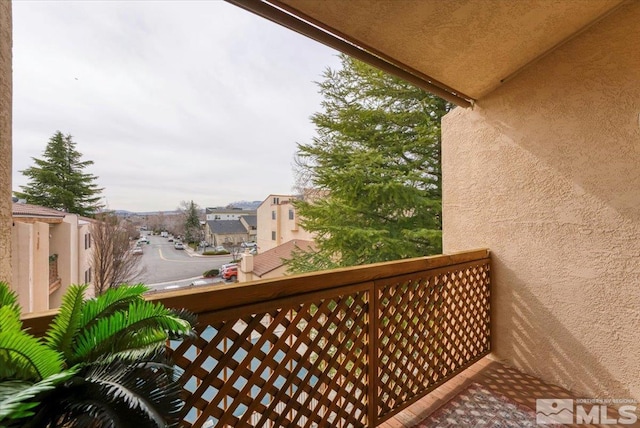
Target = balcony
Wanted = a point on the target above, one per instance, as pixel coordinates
(378, 345)
(54, 279)
(347, 347)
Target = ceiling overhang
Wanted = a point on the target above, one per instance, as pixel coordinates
(460, 50)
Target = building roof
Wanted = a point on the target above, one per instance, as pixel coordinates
(251, 220)
(224, 210)
(226, 227)
(272, 259)
(285, 199)
(28, 210)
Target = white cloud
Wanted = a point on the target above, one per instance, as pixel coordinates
(172, 100)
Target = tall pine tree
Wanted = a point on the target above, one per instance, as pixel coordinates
(58, 181)
(191, 222)
(374, 171)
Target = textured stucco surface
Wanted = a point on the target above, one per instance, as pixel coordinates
(31, 267)
(5, 141)
(545, 172)
(470, 45)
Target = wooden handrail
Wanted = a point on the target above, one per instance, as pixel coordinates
(218, 297)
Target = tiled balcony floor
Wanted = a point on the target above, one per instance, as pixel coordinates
(519, 387)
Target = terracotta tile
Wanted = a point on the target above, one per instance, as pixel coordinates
(492, 375)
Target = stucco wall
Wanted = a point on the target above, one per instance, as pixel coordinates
(286, 229)
(22, 272)
(545, 172)
(5, 140)
(31, 267)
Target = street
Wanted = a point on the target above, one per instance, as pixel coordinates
(168, 268)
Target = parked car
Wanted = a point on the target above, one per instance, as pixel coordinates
(144, 240)
(226, 266)
(249, 245)
(137, 250)
(178, 246)
(230, 273)
(170, 239)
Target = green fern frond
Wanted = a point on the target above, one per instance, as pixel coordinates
(143, 312)
(22, 356)
(8, 298)
(139, 345)
(10, 319)
(15, 395)
(140, 394)
(187, 316)
(113, 300)
(105, 334)
(65, 325)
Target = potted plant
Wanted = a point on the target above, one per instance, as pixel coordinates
(101, 363)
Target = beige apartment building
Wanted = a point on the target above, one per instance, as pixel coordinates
(51, 250)
(278, 222)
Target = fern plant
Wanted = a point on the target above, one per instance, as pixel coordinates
(100, 364)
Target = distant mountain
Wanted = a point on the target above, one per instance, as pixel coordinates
(125, 213)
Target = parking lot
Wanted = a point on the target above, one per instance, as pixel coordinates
(165, 266)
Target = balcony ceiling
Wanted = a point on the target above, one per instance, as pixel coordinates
(469, 46)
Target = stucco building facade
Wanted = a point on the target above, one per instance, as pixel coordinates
(278, 222)
(51, 250)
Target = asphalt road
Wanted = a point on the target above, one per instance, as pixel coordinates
(164, 266)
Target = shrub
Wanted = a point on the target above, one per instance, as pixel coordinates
(214, 253)
(100, 362)
(211, 273)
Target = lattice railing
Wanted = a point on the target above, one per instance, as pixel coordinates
(344, 348)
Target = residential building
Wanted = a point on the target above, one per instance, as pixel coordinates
(230, 232)
(223, 213)
(52, 250)
(278, 222)
(269, 264)
(250, 223)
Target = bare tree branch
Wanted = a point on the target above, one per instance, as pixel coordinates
(113, 262)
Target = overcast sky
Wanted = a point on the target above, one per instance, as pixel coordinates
(172, 100)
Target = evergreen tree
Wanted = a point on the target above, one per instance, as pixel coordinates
(191, 222)
(374, 171)
(58, 181)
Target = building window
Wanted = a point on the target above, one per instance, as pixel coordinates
(276, 201)
(290, 214)
(273, 215)
(87, 276)
(273, 236)
(87, 241)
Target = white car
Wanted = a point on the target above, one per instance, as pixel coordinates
(137, 250)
